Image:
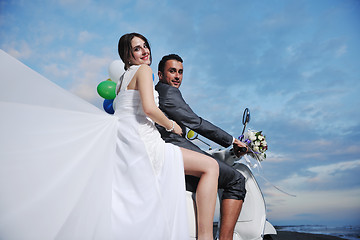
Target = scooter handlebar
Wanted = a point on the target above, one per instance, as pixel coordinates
(242, 149)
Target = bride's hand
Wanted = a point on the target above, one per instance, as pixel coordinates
(177, 129)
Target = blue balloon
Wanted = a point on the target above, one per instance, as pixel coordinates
(108, 106)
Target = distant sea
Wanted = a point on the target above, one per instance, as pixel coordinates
(346, 232)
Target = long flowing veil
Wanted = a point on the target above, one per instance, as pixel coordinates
(55, 159)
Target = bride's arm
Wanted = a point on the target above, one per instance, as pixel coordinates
(144, 84)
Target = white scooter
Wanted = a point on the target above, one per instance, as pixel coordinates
(252, 223)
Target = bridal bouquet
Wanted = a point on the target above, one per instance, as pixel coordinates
(257, 144)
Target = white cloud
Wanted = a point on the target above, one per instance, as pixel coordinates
(56, 70)
(309, 73)
(88, 74)
(85, 36)
(19, 50)
(75, 3)
(275, 21)
(320, 178)
(86, 91)
(328, 171)
(85, 73)
(278, 157)
(341, 50)
(324, 206)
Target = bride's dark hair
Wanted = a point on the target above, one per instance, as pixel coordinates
(124, 47)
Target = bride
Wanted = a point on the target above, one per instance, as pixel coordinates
(71, 171)
(135, 105)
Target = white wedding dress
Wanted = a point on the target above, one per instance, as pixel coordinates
(68, 170)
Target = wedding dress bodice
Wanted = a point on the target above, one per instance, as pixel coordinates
(128, 103)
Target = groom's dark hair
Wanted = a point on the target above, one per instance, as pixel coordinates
(167, 58)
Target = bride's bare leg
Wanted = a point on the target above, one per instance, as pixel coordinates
(200, 165)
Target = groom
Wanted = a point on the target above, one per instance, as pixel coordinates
(170, 72)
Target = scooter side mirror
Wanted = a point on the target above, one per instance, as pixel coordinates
(246, 116)
(191, 135)
(245, 120)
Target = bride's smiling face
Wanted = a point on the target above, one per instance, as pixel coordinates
(140, 52)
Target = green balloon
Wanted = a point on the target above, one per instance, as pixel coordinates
(106, 89)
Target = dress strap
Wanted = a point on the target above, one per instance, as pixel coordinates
(126, 78)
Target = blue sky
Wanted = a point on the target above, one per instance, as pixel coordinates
(295, 64)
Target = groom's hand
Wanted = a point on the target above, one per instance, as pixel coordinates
(240, 148)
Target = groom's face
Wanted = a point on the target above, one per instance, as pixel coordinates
(173, 73)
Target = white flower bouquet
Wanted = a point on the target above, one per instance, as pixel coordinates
(257, 144)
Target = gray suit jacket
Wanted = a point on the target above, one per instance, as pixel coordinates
(174, 106)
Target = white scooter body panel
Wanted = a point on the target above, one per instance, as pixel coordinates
(251, 222)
